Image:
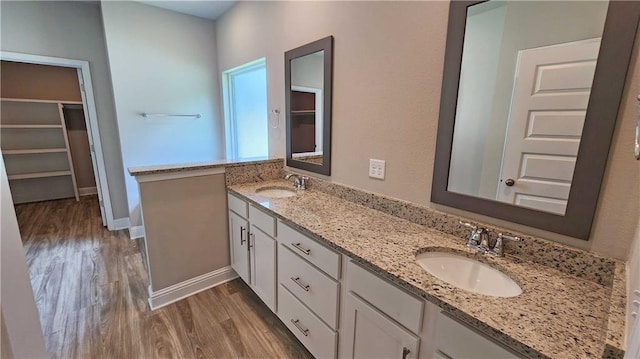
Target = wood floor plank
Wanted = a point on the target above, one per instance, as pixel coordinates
(90, 287)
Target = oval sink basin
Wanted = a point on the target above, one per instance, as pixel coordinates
(276, 192)
(468, 274)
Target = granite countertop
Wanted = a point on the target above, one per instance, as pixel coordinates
(557, 315)
(181, 167)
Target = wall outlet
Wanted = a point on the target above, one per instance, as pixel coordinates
(376, 168)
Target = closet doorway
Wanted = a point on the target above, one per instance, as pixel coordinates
(50, 137)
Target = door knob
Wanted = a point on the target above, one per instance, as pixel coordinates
(510, 182)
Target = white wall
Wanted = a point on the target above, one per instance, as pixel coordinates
(162, 62)
(308, 71)
(481, 53)
(71, 29)
(388, 65)
(19, 312)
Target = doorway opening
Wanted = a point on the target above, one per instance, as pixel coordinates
(245, 110)
(42, 101)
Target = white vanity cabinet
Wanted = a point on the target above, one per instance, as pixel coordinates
(335, 306)
(253, 248)
(380, 320)
(238, 228)
(309, 290)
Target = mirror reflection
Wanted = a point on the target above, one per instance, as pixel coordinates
(307, 90)
(526, 75)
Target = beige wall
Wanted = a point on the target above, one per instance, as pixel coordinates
(162, 62)
(185, 223)
(71, 29)
(5, 345)
(387, 76)
(19, 313)
(40, 82)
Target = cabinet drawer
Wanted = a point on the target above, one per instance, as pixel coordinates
(389, 299)
(455, 340)
(312, 251)
(319, 339)
(265, 222)
(238, 205)
(315, 289)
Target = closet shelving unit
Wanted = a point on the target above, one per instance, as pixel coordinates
(35, 147)
(303, 120)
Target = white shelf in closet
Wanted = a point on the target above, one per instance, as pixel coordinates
(38, 175)
(29, 126)
(37, 127)
(34, 151)
(40, 101)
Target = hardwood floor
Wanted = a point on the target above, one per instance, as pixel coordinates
(90, 289)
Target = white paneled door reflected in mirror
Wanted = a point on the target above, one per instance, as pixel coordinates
(530, 97)
(527, 71)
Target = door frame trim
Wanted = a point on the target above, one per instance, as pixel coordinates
(91, 119)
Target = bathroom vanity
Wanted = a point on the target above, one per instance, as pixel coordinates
(334, 305)
(338, 266)
(344, 279)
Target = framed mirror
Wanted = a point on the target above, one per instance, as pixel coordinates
(308, 84)
(530, 97)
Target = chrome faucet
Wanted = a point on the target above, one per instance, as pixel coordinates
(480, 240)
(299, 182)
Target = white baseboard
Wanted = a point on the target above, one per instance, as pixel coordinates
(121, 223)
(136, 232)
(87, 191)
(190, 287)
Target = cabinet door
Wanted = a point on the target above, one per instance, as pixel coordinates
(371, 334)
(238, 234)
(263, 266)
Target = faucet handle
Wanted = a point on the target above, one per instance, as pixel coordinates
(303, 182)
(468, 225)
(502, 236)
(296, 179)
(475, 238)
(498, 248)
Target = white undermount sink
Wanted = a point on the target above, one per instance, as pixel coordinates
(468, 274)
(276, 192)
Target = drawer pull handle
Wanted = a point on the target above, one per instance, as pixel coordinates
(304, 331)
(298, 247)
(253, 236)
(298, 282)
(405, 352)
(242, 240)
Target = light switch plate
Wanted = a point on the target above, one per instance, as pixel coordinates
(376, 168)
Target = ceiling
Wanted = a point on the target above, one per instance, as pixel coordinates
(209, 9)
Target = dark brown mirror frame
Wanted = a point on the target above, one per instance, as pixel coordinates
(325, 44)
(608, 85)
